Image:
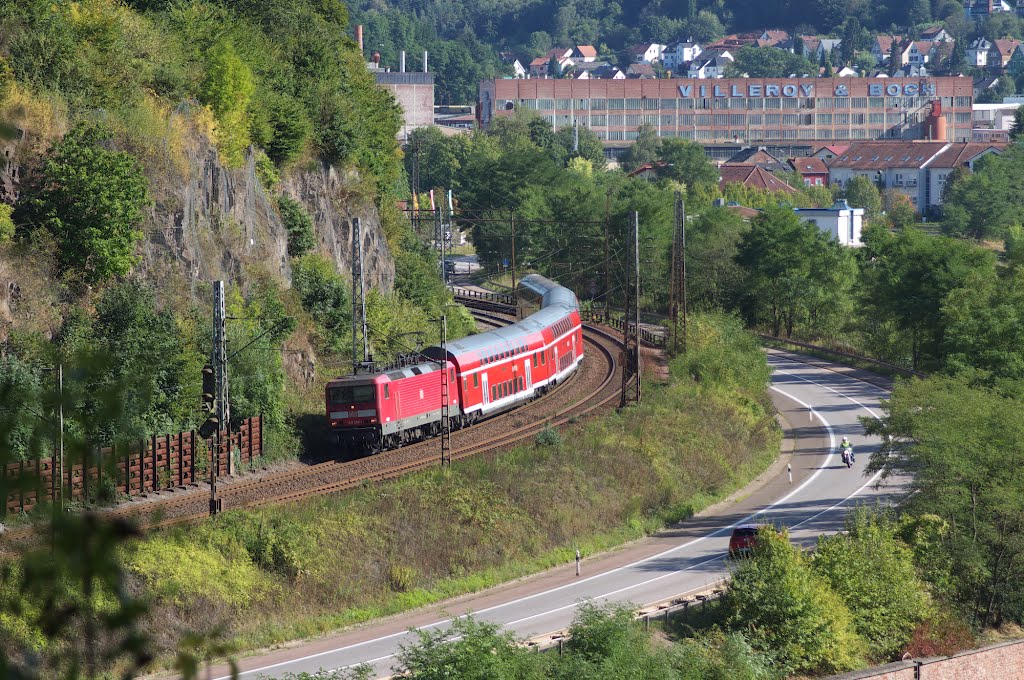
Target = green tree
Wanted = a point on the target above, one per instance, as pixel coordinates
(960, 447)
(901, 211)
(983, 328)
(789, 613)
(795, 272)
(861, 192)
(716, 280)
(686, 162)
(1017, 129)
(905, 279)
(298, 225)
(769, 62)
(91, 200)
(873, 571)
(228, 89)
(983, 204)
(644, 150)
(920, 12)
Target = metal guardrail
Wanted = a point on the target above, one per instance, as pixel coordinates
(500, 298)
(603, 317)
(900, 370)
(664, 610)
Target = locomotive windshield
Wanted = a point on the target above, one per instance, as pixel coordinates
(352, 394)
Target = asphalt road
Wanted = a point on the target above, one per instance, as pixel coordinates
(819, 407)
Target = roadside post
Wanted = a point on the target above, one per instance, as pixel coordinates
(789, 469)
(577, 562)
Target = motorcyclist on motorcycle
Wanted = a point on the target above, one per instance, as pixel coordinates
(847, 448)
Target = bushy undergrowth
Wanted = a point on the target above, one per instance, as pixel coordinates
(425, 537)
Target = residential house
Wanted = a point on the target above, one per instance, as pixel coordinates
(562, 57)
(1015, 66)
(751, 176)
(812, 51)
(518, 70)
(827, 153)
(915, 169)
(846, 72)
(881, 48)
(960, 155)
(710, 64)
(608, 72)
(646, 53)
(841, 221)
(813, 171)
(679, 53)
(911, 71)
(982, 9)
(588, 70)
(760, 157)
(641, 71)
(916, 52)
(584, 54)
(978, 52)
(936, 34)
(772, 38)
(648, 171)
(1002, 53)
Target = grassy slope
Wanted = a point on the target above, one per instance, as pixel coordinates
(285, 572)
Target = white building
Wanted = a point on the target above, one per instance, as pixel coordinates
(646, 53)
(679, 53)
(978, 52)
(842, 221)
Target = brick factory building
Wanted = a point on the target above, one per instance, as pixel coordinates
(791, 115)
(415, 94)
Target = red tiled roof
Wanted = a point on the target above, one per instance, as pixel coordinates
(648, 166)
(963, 152)
(809, 166)
(1005, 48)
(883, 155)
(743, 211)
(884, 42)
(587, 50)
(752, 176)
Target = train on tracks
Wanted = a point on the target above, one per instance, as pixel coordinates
(482, 375)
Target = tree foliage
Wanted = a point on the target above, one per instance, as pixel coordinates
(789, 613)
(91, 200)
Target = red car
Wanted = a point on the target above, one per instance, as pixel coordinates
(743, 540)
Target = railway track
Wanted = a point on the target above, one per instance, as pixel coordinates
(593, 387)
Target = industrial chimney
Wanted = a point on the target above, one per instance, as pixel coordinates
(401, 67)
(424, 61)
(359, 37)
(935, 124)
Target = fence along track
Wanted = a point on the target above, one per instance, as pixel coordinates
(162, 513)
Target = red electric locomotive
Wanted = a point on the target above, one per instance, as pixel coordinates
(487, 373)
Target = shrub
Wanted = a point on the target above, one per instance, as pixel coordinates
(6, 223)
(789, 613)
(266, 172)
(873, 572)
(301, 236)
(91, 200)
(287, 128)
(548, 437)
(227, 90)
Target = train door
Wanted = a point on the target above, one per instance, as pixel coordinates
(529, 376)
(487, 390)
(556, 369)
(573, 345)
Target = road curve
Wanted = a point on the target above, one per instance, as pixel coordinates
(819, 406)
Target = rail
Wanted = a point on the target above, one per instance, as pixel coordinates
(899, 370)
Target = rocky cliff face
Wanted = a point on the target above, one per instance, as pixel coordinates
(209, 222)
(215, 222)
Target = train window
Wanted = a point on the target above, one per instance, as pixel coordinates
(355, 394)
(387, 392)
(543, 355)
(535, 361)
(451, 374)
(476, 380)
(465, 384)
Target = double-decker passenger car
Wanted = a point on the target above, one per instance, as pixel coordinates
(486, 373)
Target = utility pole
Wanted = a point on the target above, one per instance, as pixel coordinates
(359, 326)
(682, 268)
(415, 185)
(446, 428)
(512, 223)
(679, 272)
(631, 318)
(607, 253)
(60, 419)
(220, 370)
